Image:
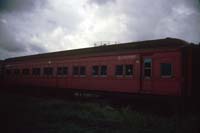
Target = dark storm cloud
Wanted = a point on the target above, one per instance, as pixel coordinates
(10, 42)
(11, 45)
(19, 5)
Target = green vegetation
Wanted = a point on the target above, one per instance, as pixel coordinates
(25, 114)
(90, 117)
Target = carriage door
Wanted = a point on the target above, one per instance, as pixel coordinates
(146, 81)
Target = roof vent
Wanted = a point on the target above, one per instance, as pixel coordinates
(104, 43)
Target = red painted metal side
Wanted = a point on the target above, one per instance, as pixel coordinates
(158, 85)
(167, 85)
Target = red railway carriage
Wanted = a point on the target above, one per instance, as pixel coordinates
(158, 67)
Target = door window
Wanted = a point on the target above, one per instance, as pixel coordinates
(147, 68)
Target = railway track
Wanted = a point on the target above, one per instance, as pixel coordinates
(146, 104)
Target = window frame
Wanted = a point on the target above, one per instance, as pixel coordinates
(117, 72)
(125, 70)
(35, 71)
(75, 71)
(95, 73)
(16, 72)
(47, 72)
(59, 71)
(65, 71)
(103, 73)
(62, 71)
(147, 68)
(82, 71)
(166, 76)
(25, 71)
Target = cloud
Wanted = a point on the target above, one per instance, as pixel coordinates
(13, 33)
(36, 26)
(14, 44)
(161, 19)
(8, 42)
(101, 2)
(19, 5)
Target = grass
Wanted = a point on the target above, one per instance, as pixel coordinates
(40, 115)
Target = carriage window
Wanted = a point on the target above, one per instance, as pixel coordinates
(16, 71)
(25, 71)
(65, 70)
(82, 70)
(129, 69)
(166, 69)
(95, 70)
(147, 68)
(103, 71)
(36, 71)
(62, 70)
(75, 70)
(48, 71)
(59, 71)
(119, 70)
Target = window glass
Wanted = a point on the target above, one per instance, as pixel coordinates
(147, 68)
(95, 70)
(62, 70)
(166, 69)
(59, 71)
(129, 69)
(48, 71)
(65, 70)
(16, 71)
(147, 73)
(82, 70)
(147, 63)
(119, 70)
(25, 71)
(75, 70)
(36, 71)
(103, 70)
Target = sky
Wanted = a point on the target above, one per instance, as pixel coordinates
(38, 26)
